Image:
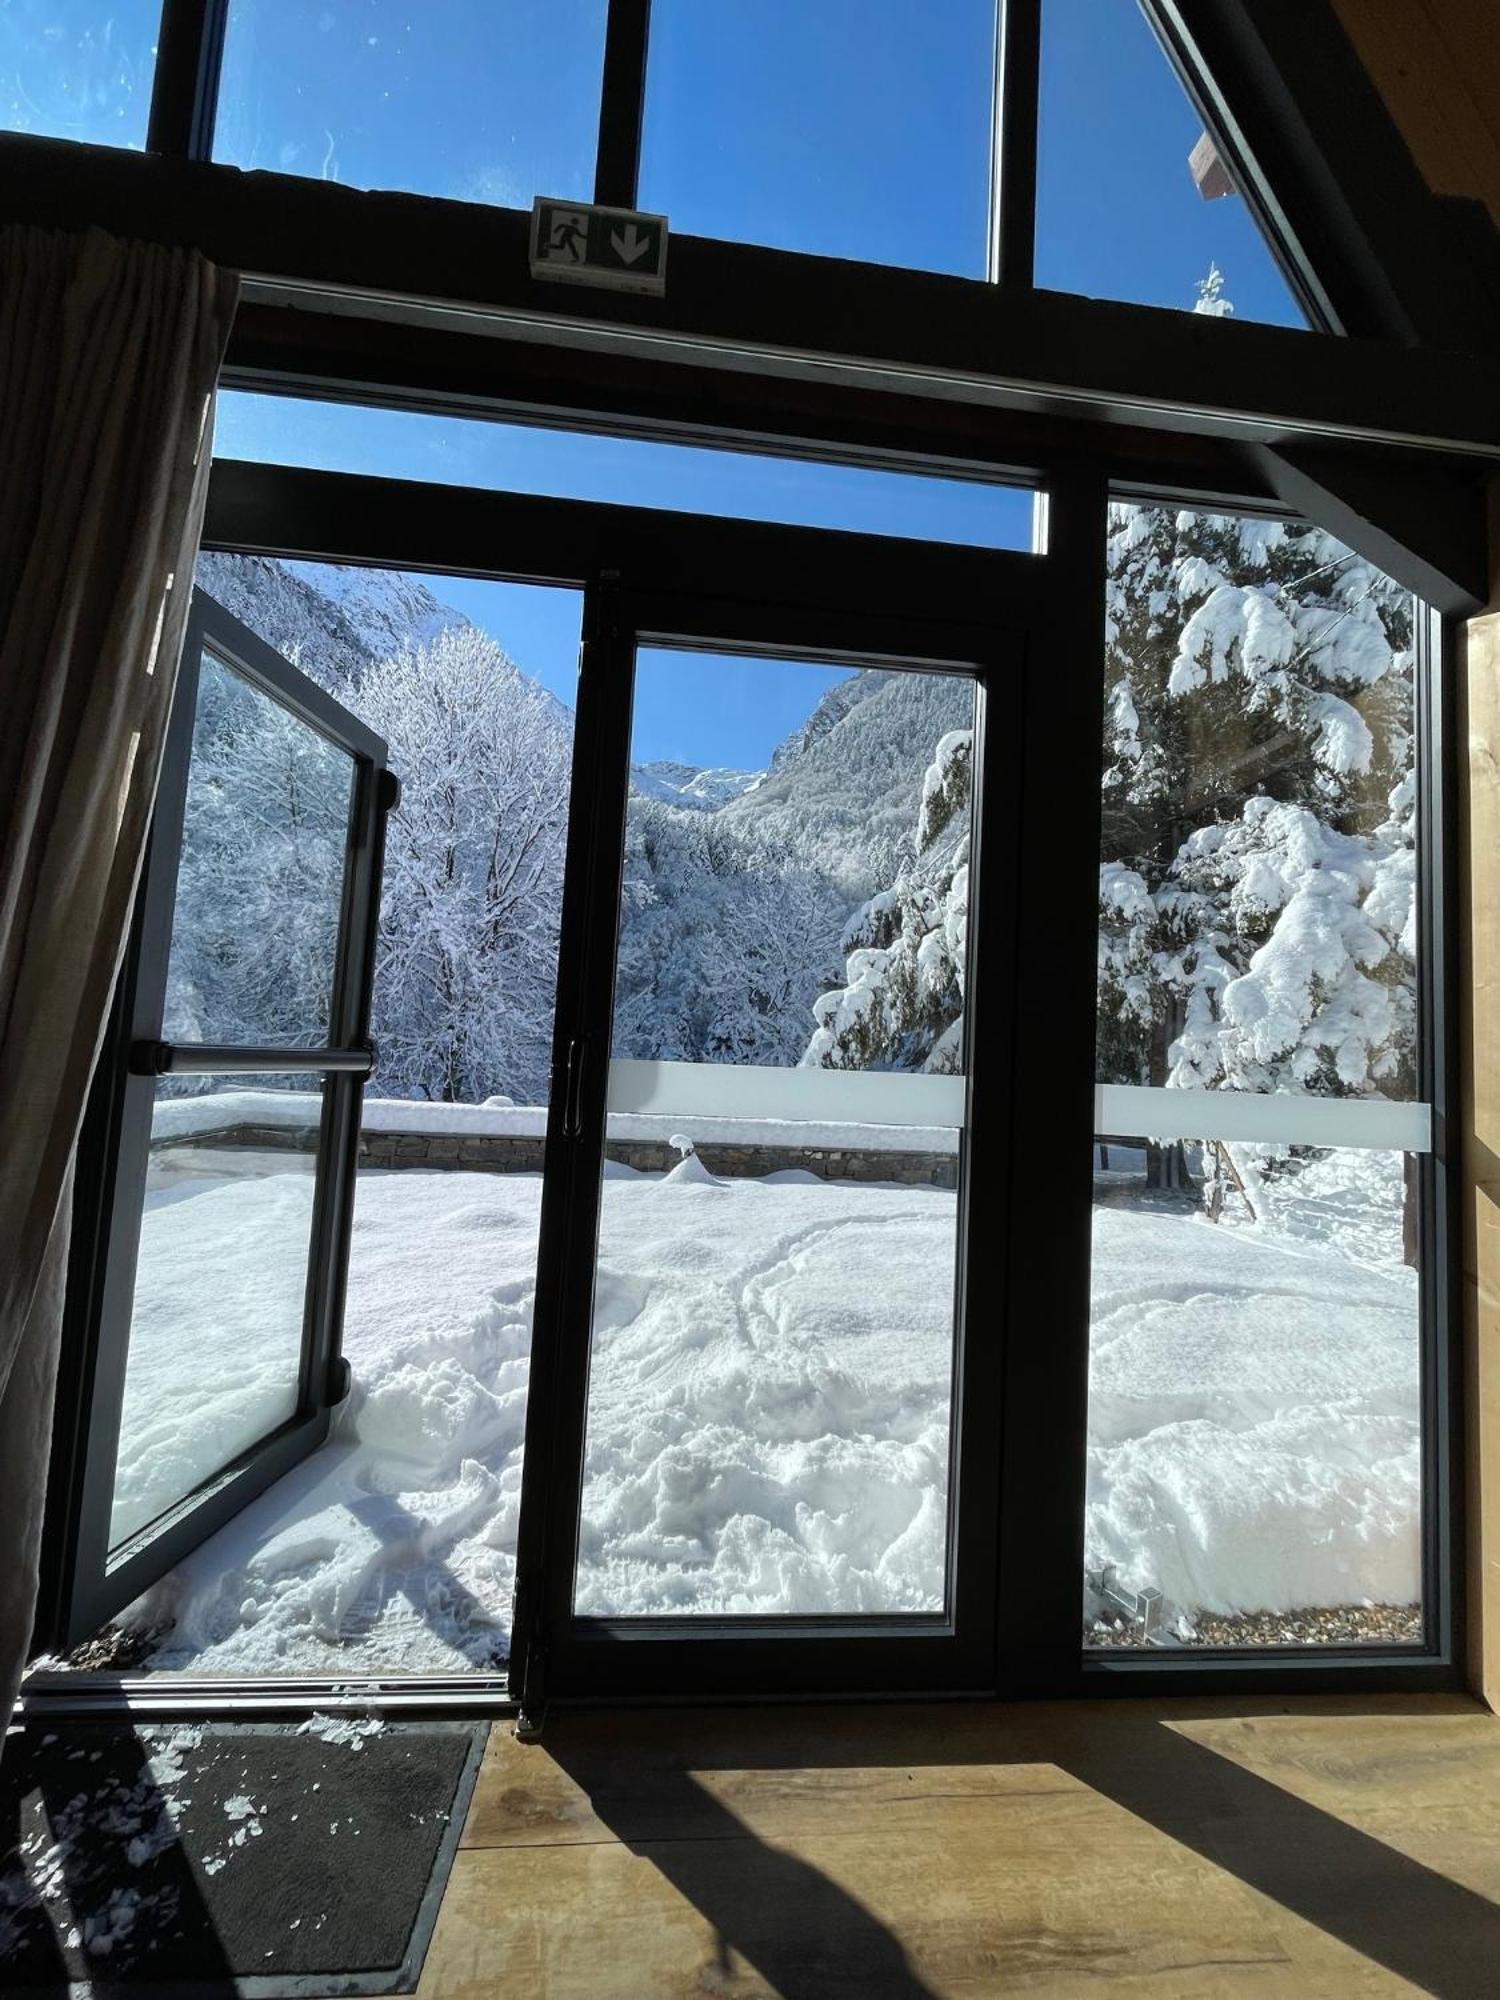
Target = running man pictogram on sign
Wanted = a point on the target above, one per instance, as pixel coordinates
(619, 248)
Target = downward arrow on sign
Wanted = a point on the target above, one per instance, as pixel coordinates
(630, 244)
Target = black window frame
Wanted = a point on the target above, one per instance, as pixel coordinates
(557, 1648)
(1437, 1661)
(88, 1576)
(1384, 438)
(1037, 1535)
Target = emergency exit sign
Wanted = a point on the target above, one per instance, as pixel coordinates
(619, 248)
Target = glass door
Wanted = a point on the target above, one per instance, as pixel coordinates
(765, 1377)
(215, 1363)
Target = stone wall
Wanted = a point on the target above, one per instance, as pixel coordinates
(506, 1153)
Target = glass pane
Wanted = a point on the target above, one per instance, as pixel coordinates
(1132, 201)
(1257, 922)
(486, 104)
(854, 128)
(772, 1364)
(1255, 1383)
(393, 1548)
(260, 883)
(216, 1331)
(1254, 1445)
(78, 69)
(634, 472)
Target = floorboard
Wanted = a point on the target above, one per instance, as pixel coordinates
(1200, 1847)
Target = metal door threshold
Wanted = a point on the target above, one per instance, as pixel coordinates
(51, 1696)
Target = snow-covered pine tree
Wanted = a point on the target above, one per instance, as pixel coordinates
(1258, 722)
(901, 1004)
(1211, 299)
(1254, 890)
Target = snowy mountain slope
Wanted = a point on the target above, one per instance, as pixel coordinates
(330, 621)
(687, 785)
(733, 921)
(829, 713)
(387, 609)
(843, 791)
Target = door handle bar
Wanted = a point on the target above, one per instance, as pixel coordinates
(206, 1059)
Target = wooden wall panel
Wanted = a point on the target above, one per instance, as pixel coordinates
(1437, 65)
(1480, 907)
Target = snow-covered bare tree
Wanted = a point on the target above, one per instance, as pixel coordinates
(467, 964)
(725, 936)
(467, 954)
(260, 876)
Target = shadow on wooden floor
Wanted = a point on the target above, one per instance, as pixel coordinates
(647, 1777)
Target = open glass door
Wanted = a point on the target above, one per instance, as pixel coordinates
(767, 1347)
(215, 1360)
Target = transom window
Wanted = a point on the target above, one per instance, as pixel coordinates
(949, 139)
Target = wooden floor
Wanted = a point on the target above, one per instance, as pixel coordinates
(1298, 1849)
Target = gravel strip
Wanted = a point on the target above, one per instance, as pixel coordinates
(1336, 1625)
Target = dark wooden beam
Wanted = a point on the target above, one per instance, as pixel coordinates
(622, 100)
(1429, 533)
(329, 355)
(737, 309)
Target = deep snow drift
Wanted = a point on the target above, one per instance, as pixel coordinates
(1253, 1400)
(769, 1410)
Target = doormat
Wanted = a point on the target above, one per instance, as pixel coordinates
(211, 1858)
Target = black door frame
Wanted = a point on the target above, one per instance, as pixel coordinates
(96, 1579)
(1011, 618)
(555, 1652)
(257, 509)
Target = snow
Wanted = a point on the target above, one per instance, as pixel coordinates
(140, 1819)
(768, 1419)
(1254, 1442)
(204, 1383)
(64, 1868)
(1232, 622)
(350, 1730)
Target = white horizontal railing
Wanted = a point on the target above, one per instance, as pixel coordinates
(739, 1104)
(1286, 1118)
(840, 1097)
(797, 1096)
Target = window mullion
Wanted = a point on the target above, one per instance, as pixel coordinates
(1018, 38)
(184, 96)
(622, 103)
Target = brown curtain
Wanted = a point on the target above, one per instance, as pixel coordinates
(108, 356)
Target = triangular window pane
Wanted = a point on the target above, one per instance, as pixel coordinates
(1131, 200)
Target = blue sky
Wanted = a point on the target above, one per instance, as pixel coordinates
(846, 127)
(744, 706)
(710, 709)
(682, 711)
